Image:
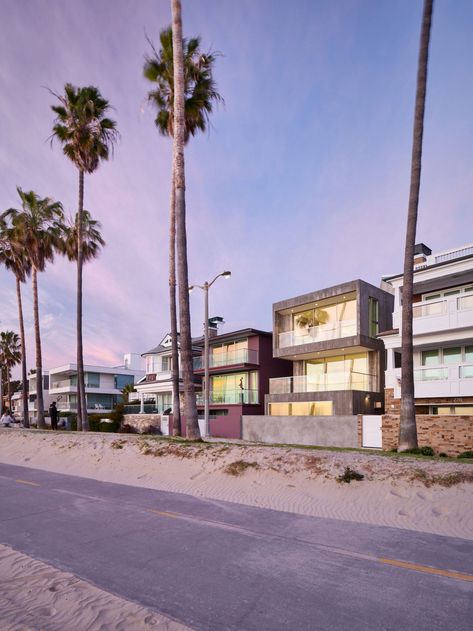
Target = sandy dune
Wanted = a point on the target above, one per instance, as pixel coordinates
(399, 492)
(37, 597)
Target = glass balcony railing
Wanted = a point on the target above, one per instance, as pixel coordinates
(466, 371)
(435, 373)
(431, 308)
(324, 383)
(241, 356)
(319, 333)
(230, 397)
(65, 383)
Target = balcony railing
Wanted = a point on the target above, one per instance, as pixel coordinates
(231, 358)
(430, 308)
(435, 373)
(66, 383)
(324, 383)
(230, 397)
(466, 371)
(319, 333)
(465, 302)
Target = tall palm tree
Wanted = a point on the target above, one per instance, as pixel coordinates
(10, 356)
(14, 257)
(408, 429)
(179, 137)
(87, 137)
(200, 94)
(38, 226)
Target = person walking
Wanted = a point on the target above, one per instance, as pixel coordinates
(53, 413)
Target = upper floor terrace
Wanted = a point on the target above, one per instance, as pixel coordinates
(346, 315)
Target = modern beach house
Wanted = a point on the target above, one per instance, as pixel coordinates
(32, 394)
(329, 338)
(442, 332)
(103, 384)
(241, 365)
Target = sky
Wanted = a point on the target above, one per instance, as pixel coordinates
(301, 182)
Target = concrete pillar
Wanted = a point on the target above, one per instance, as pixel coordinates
(142, 403)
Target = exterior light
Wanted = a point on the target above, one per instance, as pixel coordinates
(191, 288)
(226, 274)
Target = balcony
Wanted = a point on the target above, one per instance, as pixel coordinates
(314, 334)
(324, 383)
(435, 382)
(230, 397)
(231, 358)
(431, 316)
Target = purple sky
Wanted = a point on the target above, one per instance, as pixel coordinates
(301, 183)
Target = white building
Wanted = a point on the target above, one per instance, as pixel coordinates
(155, 387)
(103, 384)
(32, 395)
(442, 333)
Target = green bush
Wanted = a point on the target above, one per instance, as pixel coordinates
(466, 454)
(420, 451)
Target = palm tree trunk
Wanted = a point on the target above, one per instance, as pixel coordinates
(24, 376)
(408, 430)
(83, 424)
(192, 425)
(9, 389)
(176, 407)
(39, 360)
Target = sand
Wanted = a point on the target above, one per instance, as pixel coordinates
(37, 597)
(396, 491)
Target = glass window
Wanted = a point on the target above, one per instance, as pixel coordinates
(397, 359)
(302, 408)
(373, 314)
(463, 409)
(432, 297)
(123, 380)
(469, 354)
(452, 292)
(443, 409)
(92, 380)
(452, 355)
(165, 363)
(430, 358)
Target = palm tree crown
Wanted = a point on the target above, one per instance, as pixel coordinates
(10, 351)
(92, 240)
(81, 126)
(38, 227)
(199, 86)
(12, 255)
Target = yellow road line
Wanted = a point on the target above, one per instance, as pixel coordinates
(428, 570)
(27, 482)
(163, 513)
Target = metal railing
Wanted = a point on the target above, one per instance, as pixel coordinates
(230, 397)
(319, 333)
(230, 358)
(430, 308)
(324, 383)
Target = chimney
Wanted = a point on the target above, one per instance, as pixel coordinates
(214, 324)
(421, 252)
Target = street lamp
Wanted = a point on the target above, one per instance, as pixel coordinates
(205, 287)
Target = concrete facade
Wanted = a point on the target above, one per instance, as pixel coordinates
(323, 431)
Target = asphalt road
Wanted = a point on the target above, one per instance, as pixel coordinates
(218, 566)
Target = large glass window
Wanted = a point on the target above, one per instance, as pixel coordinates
(235, 352)
(123, 380)
(92, 380)
(344, 372)
(452, 355)
(373, 309)
(241, 387)
(323, 322)
(430, 358)
(301, 408)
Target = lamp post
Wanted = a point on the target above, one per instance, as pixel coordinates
(205, 287)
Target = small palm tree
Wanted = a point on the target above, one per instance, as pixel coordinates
(39, 227)
(10, 356)
(87, 137)
(14, 257)
(126, 391)
(200, 95)
(408, 428)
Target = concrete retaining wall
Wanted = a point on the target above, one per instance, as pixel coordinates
(326, 431)
(143, 422)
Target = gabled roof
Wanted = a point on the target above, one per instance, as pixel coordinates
(164, 345)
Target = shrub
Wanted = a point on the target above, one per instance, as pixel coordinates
(466, 454)
(442, 454)
(239, 466)
(350, 474)
(420, 451)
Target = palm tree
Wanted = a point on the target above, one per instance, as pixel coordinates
(87, 137)
(408, 429)
(179, 182)
(10, 356)
(14, 258)
(39, 228)
(200, 93)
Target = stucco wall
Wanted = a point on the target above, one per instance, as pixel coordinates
(326, 431)
(448, 434)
